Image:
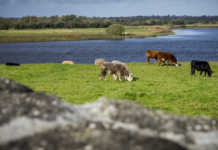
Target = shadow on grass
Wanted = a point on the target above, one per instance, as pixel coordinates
(179, 65)
(135, 78)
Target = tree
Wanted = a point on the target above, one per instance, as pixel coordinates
(4, 24)
(115, 29)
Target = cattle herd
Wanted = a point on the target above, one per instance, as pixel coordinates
(120, 70)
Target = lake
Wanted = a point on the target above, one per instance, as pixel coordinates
(186, 44)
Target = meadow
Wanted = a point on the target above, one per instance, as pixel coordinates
(169, 88)
(43, 35)
(199, 25)
(76, 34)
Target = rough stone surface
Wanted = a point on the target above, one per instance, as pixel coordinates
(37, 121)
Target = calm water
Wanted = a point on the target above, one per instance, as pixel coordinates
(186, 44)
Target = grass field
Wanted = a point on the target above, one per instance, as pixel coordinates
(42, 35)
(168, 88)
(199, 26)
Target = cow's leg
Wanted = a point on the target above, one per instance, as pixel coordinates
(159, 61)
(209, 72)
(115, 76)
(106, 72)
(192, 70)
(164, 61)
(103, 74)
(148, 59)
(119, 76)
(205, 73)
(201, 72)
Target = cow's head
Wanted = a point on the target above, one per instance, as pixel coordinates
(129, 77)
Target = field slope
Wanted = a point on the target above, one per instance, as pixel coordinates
(44, 35)
(169, 88)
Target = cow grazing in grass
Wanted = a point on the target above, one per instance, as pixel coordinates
(166, 57)
(12, 64)
(68, 62)
(202, 66)
(100, 61)
(119, 62)
(151, 54)
(117, 70)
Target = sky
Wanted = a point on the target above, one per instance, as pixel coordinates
(107, 8)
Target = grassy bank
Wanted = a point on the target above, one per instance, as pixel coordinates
(169, 88)
(43, 35)
(190, 26)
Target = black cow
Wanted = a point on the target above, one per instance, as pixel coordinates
(12, 64)
(202, 66)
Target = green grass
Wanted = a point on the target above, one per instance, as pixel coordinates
(147, 31)
(197, 25)
(168, 88)
(43, 35)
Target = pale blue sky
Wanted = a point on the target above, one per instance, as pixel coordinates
(107, 8)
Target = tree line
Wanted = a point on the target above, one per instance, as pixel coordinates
(73, 21)
(164, 20)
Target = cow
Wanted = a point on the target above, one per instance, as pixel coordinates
(12, 64)
(163, 57)
(99, 61)
(202, 66)
(151, 54)
(68, 62)
(117, 70)
(119, 62)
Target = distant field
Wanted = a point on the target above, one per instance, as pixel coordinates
(202, 26)
(44, 35)
(168, 88)
(197, 26)
(41, 35)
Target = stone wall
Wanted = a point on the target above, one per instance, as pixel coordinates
(37, 121)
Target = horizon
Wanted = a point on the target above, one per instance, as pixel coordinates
(116, 16)
(109, 8)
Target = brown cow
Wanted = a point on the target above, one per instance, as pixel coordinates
(151, 54)
(68, 62)
(164, 57)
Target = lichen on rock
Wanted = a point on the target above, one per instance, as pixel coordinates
(32, 120)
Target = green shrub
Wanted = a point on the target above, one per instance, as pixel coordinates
(115, 29)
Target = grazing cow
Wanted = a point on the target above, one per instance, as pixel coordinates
(12, 64)
(164, 57)
(99, 61)
(202, 66)
(115, 69)
(151, 54)
(119, 62)
(68, 62)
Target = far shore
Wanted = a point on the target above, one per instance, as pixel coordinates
(76, 34)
